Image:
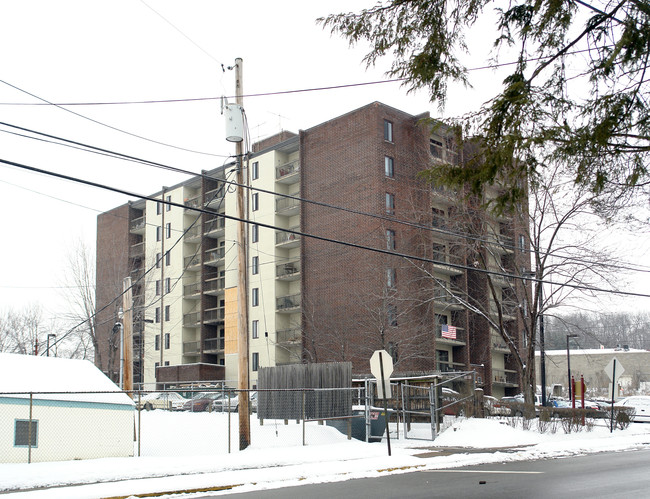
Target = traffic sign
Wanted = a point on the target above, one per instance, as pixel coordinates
(614, 368)
(381, 366)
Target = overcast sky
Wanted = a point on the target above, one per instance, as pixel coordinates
(123, 50)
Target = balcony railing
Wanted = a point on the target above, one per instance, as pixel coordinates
(460, 334)
(137, 225)
(215, 225)
(287, 205)
(194, 232)
(214, 286)
(137, 250)
(215, 256)
(215, 196)
(214, 315)
(194, 202)
(192, 289)
(450, 366)
(214, 345)
(287, 238)
(191, 347)
(288, 336)
(288, 271)
(192, 261)
(505, 377)
(287, 302)
(286, 171)
(192, 320)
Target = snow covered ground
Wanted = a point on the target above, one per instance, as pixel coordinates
(277, 458)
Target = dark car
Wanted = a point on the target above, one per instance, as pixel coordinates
(202, 402)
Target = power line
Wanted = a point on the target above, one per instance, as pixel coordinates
(321, 238)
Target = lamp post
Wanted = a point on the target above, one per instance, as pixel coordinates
(568, 362)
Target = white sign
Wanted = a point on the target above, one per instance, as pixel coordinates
(381, 360)
(611, 371)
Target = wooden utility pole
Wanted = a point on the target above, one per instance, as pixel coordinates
(161, 316)
(127, 324)
(242, 287)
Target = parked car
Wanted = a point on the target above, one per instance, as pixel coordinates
(170, 401)
(494, 407)
(202, 402)
(230, 401)
(641, 405)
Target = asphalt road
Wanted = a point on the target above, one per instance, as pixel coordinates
(611, 475)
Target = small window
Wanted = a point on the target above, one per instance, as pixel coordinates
(390, 278)
(168, 207)
(158, 288)
(158, 233)
(255, 173)
(391, 315)
(389, 166)
(168, 259)
(157, 342)
(158, 258)
(522, 242)
(166, 362)
(158, 207)
(168, 230)
(256, 297)
(23, 435)
(390, 239)
(388, 131)
(255, 265)
(167, 315)
(256, 202)
(255, 330)
(255, 233)
(157, 315)
(167, 341)
(390, 203)
(168, 285)
(255, 361)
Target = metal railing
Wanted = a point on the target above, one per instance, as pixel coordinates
(287, 302)
(287, 169)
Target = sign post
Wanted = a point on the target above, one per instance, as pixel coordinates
(613, 370)
(381, 365)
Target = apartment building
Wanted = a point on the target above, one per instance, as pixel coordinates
(391, 265)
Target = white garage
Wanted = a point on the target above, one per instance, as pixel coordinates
(54, 409)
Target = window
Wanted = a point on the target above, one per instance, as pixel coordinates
(168, 207)
(391, 315)
(166, 362)
(157, 315)
(390, 203)
(390, 278)
(167, 314)
(389, 166)
(256, 201)
(255, 233)
(388, 131)
(158, 233)
(256, 297)
(168, 285)
(158, 258)
(156, 365)
(166, 341)
(522, 242)
(390, 239)
(255, 266)
(157, 342)
(23, 435)
(439, 218)
(393, 351)
(255, 174)
(168, 259)
(168, 230)
(255, 361)
(158, 288)
(158, 207)
(255, 329)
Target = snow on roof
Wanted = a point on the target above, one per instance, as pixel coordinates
(593, 351)
(29, 373)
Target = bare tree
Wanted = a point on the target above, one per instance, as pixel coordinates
(23, 332)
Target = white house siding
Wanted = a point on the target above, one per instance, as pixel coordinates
(67, 430)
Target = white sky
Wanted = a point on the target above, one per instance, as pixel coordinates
(101, 51)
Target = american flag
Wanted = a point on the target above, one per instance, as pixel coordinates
(449, 331)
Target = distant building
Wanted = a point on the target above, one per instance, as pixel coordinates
(65, 424)
(312, 300)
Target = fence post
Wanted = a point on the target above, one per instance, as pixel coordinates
(367, 410)
(139, 421)
(434, 416)
(29, 429)
(303, 417)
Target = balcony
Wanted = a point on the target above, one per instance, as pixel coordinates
(287, 207)
(287, 304)
(505, 377)
(459, 340)
(137, 226)
(443, 195)
(214, 345)
(192, 320)
(214, 287)
(215, 227)
(288, 337)
(192, 204)
(137, 250)
(215, 257)
(501, 245)
(192, 291)
(288, 271)
(192, 262)
(287, 239)
(214, 198)
(191, 348)
(498, 345)
(288, 173)
(194, 234)
(440, 268)
(446, 301)
(509, 310)
(450, 366)
(214, 315)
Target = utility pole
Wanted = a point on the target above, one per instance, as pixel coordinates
(161, 316)
(127, 325)
(242, 288)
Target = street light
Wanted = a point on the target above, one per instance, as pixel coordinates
(568, 361)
